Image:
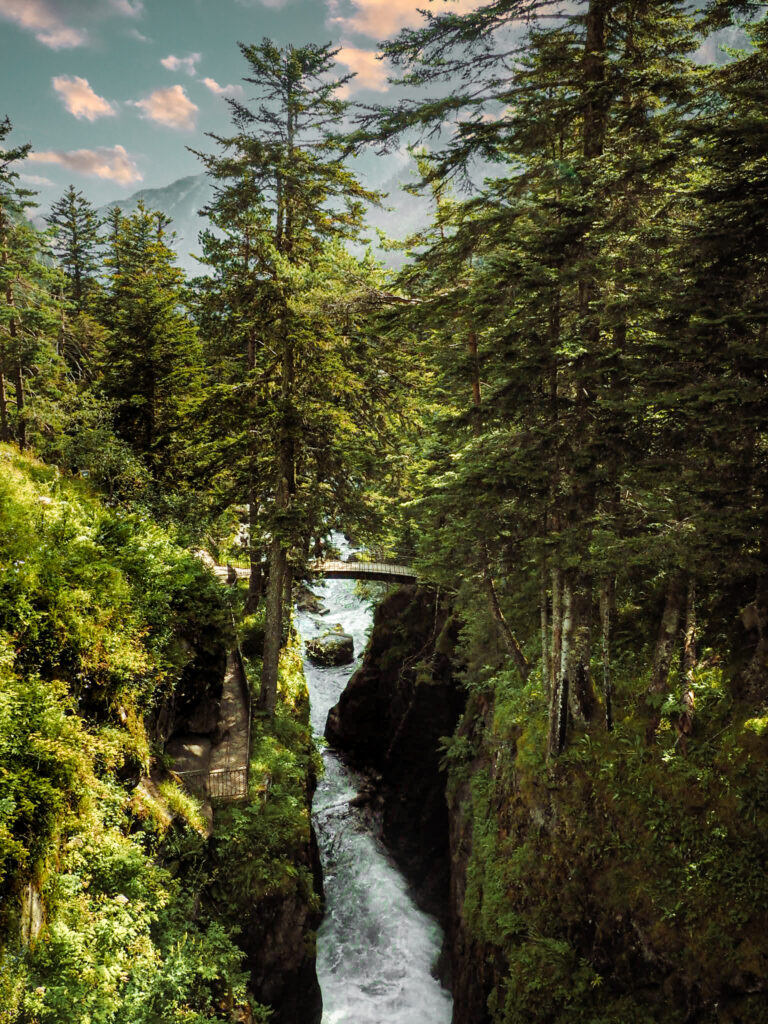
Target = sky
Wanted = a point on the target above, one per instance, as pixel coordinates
(111, 92)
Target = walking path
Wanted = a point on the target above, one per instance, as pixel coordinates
(220, 771)
(229, 758)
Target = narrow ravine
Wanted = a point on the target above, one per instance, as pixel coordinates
(376, 949)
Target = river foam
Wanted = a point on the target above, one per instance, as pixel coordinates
(376, 950)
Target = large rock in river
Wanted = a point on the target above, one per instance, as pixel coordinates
(331, 648)
(391, 717)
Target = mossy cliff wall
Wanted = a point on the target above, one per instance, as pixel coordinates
(623, 883)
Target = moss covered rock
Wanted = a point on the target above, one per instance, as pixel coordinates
(331, 648)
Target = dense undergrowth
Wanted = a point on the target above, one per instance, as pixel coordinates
(113, 894)
(258, 856)
(625, 882)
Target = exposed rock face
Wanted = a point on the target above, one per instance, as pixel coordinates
(390, 719)
(194, 709)
(331, 649)
(190, 753)
(279, 960)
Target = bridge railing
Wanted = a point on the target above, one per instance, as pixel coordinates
(360, 569)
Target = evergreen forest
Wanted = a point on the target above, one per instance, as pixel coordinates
(555, 412)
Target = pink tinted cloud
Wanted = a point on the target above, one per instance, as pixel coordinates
(113, 163)
(382, 18)
(171, 107)
(222, 90)
(42, 18)
(370, 71)
(80, 100)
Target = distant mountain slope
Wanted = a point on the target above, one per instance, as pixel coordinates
(181, 201)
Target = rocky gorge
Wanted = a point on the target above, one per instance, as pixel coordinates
(564, 895)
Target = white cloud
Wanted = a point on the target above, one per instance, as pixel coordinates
(114, 163)
(222, 90)
(128, 8)
(275, 4)
(171, 107)
(42, 18)
(35, 179)
(80, 99)
(382, 18)
(182, 63)
(139, 36)
(371, 73)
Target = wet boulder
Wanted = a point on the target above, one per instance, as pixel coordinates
(331, 648)
(307, 601)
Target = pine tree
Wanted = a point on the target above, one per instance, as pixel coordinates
(152, 358)
(587, 109)
(282, 194)
(76, 244)
(28, 311)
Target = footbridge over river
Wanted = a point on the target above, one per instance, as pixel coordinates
(220, 771)
(333, 568)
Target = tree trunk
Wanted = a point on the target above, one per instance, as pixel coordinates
(684, 723)
(255, 579)
(583, 700)
(287, 595)
(18, 373)
(5, 426)
(594, 76)
(278, 550)
(666, 642)
(273, 627)
(546, 654)
(474, 369)
(5, 433)
(755, 617)
(558, 731)
(508, 637)
(555, 660)
(607, 602)
(21, 426)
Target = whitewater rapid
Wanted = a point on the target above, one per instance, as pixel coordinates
(376, 951)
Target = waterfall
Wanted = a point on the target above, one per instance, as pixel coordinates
(376, 950)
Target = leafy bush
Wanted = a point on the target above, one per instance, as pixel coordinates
(102, 617)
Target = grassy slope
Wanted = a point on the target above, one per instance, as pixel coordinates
(101, 618)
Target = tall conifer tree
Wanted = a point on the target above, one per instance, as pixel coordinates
(282, 195)
(152, 360)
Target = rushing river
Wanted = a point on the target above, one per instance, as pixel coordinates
(376, 949)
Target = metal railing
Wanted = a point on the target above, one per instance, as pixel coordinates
(225, 784)
(361, 570)
(358, 570)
